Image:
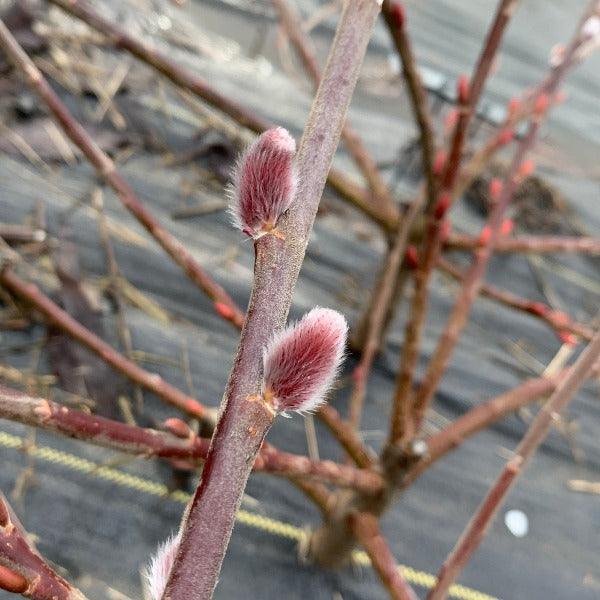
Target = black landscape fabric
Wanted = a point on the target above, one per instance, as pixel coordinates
(99, 515)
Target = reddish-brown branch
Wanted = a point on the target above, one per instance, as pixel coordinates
(402, 424)
(376, 318)
(480, 417)
(147, 443)
(107, 169)
(326, 471)
(504, 12)
(292, 24)
(559, 321)
(473, 279)
(346, 436)
(22, 569)
(529, 244)
(45, 414)
(393, 14)
(479, 524)
(275, 461)
(366, 529)
(385, 215)
(150, 381)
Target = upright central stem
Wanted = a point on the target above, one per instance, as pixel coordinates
(242, 424)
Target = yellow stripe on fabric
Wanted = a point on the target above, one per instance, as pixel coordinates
(250, 519)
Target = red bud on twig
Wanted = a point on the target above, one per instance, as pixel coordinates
(301, 362)
(399, 14)
(495, 188)
(445, 230)
(526, 169)
(541, 104)
(442, 206)
(412, 257)
(506, 136)
(12, 581)
(507, 227)
(224, 310)
(462, 90)
(538, 308)
(264, 183)
(451, 119)
(439, 162)
(485, 236)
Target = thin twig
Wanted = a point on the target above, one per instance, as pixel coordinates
(474, 277)
(366, 529)
(107, 169)
(533, 244)
(114, 274)
(402, 427)
(150, 381)
(480, 417)
(479, 524)
(376, 318)
(148, 443)
(22, 569)
(394, 16)
(347, 437)
(559, 321)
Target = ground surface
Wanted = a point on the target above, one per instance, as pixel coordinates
(100, 524)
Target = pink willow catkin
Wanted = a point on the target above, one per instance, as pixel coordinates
(301, 362)
(157, 571)
(264, 183)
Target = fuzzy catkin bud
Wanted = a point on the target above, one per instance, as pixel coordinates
(301, 362)
(264, 183)
(157, 572)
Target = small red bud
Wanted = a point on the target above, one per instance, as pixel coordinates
(224, 310)
(566, 337)
(485, 236)
(445, 230)
(11, 581)
(462, 89)
(178, 428)
(537, 308)
(301, 362)
(451, 119)
(412, 257)
(513, 106)
(507, 227)
(157, 572)
(399, 14)
(441, 207)
(527, 168)
(264, 183)
(506, 136)
(541, 104)
(439, 162)
(495, 188)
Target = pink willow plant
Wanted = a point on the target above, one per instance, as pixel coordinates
(300, 365)
(300, 362)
